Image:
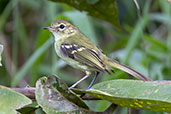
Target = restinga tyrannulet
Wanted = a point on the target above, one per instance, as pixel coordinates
(79, 52)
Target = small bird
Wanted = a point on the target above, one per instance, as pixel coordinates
(79, 52)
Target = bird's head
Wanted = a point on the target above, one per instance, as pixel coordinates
(62, 28)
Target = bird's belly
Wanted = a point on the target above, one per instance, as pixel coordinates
(70, 61)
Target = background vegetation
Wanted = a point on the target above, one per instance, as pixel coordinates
(143, 42)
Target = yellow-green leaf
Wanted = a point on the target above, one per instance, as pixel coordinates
(154, 96)
(11, 100)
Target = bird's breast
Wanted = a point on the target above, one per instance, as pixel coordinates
(68, 60)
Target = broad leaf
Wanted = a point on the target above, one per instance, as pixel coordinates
(154, 96)
(11, 100)
(54, 97)
(102, 9)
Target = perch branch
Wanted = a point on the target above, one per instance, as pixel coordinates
(30, 93)
(27, 91)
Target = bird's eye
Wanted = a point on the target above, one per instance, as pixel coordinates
(62, 26)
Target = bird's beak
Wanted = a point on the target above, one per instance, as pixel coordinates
(49, 28)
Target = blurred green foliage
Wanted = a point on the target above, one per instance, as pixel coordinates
(144, 44)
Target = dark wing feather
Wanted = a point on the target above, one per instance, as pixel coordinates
(83, 55)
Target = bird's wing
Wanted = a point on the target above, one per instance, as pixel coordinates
(83, 55)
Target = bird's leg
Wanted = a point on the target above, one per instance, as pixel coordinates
(97, 73)
(86, 76)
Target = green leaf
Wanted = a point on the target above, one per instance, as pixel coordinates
(11, 100)
(102, 9)
(29, 109)
(154, 41)
(154, 96)
(39, 111)
(6, 12)
(42, 38)
(1, 50)
(54, 97)
(3, 4)
(135, 38)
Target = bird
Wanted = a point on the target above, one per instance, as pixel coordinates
(78, 51)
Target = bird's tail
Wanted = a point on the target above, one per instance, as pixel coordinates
(127, 69)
